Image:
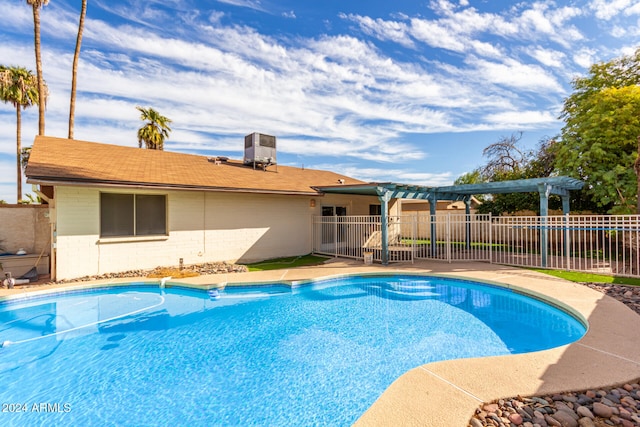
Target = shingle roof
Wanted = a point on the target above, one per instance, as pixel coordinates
(59, 161)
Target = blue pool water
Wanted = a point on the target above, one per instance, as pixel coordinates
(267, 356)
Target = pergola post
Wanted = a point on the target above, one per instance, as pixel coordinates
(384, 225)
(544, 190)
(433, 201)
(467, 218)
(567, 238)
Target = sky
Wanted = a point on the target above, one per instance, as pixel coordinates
(409, 91)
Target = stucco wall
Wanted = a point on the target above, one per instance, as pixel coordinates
(203, 227)
(24, 226)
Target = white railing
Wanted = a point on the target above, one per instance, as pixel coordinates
(599, 243)
(352, 236)
(458, 237)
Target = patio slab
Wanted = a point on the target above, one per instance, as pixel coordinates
(447, 393)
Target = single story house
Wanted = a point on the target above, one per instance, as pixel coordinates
(115, 208)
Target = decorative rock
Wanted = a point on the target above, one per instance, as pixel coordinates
(612, 397)
(523, 413)
(540, 422)
(606, 401)
(627, 423)
(583, 411)
(584, 400)
(629, 401)
(625, 414)
(538, 414)
(586, 422)
(565, 419)
(561, 406)
(516, 419)
(552, 421)
(475, 423)
(602, 410)
(495, 418)
(491, 408)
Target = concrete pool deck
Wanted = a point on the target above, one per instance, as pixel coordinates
(447, 393)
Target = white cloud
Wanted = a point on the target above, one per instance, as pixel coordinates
(522, 119)
(384, 30)
(584, 57)
(548, 57)
(464, 29)
(389, 174)
(633, 9)
(512, 73)
(344, 95)
(250, 4)
(607, 9)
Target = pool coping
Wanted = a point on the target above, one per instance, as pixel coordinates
(447, 393)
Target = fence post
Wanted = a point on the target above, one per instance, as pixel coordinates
(448, 237)
(414, 236)
(491, 239)
(335, 236)
(467, 212)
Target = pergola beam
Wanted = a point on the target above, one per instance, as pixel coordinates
(560, 185)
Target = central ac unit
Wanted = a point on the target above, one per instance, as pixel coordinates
(260, 149)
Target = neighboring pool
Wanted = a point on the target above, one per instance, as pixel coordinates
(269, 356)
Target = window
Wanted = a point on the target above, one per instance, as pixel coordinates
(124, 215)
(375, 210)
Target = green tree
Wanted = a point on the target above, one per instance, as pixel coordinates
(155, 130)
(18, 87)
(473, 177)
(42, 90)
(507, 160)
(600, 138)
(74, 72)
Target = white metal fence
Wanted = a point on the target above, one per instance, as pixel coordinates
(598, 243)
(352, 236)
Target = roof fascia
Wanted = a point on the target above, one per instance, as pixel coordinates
(133, 185)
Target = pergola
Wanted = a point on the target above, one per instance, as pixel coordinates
(387, 191)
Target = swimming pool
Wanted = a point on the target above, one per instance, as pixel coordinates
(271, 355)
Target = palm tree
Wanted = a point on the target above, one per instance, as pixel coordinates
(154, 131)
(19, 87)
(74, 74)
(37, 5)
